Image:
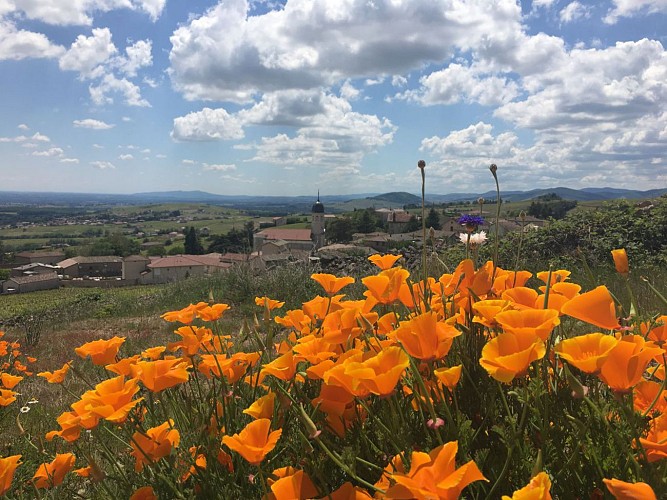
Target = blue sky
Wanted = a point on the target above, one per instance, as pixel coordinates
(288, 97)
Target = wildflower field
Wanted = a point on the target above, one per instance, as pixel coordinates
(479, 382)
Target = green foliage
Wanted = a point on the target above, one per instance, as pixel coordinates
(340, 230)
(592, 235)
(235, 241)
(433, 219)
(550, 207)
(192, 244)
(114, 244)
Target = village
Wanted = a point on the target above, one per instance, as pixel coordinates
(273, 244)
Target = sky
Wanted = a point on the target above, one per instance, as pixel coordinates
(270, 97)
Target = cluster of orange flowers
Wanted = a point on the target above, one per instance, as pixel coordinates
(395, 340)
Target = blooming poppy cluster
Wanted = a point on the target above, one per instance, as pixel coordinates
(314, 378)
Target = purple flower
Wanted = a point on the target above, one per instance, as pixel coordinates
(471, 220)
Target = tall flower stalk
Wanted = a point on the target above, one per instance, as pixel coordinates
(421, 164)
(494, 171)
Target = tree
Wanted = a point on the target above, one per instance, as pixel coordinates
(366, 223)
(192, 244)
(433, 219)
(413, 224)
(340, 230)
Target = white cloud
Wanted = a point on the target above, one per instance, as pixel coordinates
(70, 160)
(220, 168)
(631, 8)
(40, 137)
(126, 157)
(93, 124)
(188, 162)
(138, 55)
(348, 91)
(207, 125)
(145, 151)
(399, 81)
(227, 55)
(88, 54)
(573, 11)
(458, 83)
(543, 3)
(80, 12)
(23, 126)
(49, 152)
(102, 165)
(18, 44)
(101, 93)
(327, 130)
(98, 146)
(160, 156)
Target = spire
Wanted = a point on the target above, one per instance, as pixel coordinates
(318, 195)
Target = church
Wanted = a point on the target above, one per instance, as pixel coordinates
(277, 240)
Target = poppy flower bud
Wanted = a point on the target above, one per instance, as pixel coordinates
(621, 261)
(421, 164)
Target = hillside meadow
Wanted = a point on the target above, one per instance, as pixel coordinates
(488, 371)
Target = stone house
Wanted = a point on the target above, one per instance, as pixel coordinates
(34, 268)
(108, 266)
(47, 257)
(179, 267)
(22, 284)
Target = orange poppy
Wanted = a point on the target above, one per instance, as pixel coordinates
(9, 381)
(626, 362)
(539, 322)
(231, 367)
(268, 303)
(318, 307)
(645, 393)
(291, 484)
(486, 310)
(556, 276)
(211, 313)
(449, 377)
(58, 376)
(330, 283)
(629, 491)
(192, 339)
(434, 475)
(70, 427)
(349, 492)
(153, 353)
(7, 397)
(144, 493)
(185, 315)
(53, 474)
(123, 367)
(655, 442)
(620, 261)
(521, 297)
(348, 373)
(161, 374)
(7, 468)
(385, 261)
(101, 352)
(156, 443)
(283, 367)
(112, 399)
(295, 319)
(509, 355)
(386, 367)
(510, 279)
(659, 331)
(426, 338)
(386, 286)
(595, 307)
(587, 352)
(537, 489)
(314, 349)
(255, 441)
(263, 407)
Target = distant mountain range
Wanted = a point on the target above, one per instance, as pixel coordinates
(302, 203)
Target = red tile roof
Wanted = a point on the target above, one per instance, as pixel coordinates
(276, 233)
